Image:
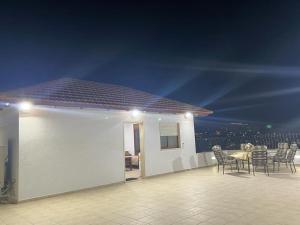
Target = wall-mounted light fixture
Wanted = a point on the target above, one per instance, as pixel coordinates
(25, 106)
(135, 112)
(188, 115)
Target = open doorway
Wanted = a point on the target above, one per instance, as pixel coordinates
(132, 150)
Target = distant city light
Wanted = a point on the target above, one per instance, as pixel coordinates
(230, 137)
(25, 106)
(239, 124)
(269, 126)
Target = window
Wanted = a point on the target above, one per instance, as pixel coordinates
(169, 135)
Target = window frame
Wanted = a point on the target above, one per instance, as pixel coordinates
(178, 146)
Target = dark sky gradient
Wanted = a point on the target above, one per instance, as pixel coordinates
(240, 59)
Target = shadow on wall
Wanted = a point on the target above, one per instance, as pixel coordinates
(193, 162)
(177, 164)
(205, 159)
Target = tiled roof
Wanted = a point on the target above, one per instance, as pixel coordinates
(89, 94)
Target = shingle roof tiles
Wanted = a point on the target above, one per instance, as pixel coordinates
(82, 93)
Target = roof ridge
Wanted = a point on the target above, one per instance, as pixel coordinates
(130, 88)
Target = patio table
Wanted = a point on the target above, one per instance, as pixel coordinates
(242, 156)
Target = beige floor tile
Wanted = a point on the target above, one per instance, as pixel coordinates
(200, 196)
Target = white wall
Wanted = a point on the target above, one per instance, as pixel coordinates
(57, 150)
(129, 138)
(63, 150)
(3, 155)
(9, 124)
(159, 161)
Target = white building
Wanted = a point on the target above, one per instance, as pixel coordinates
(67, 135)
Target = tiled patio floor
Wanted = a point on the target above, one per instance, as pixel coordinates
(199, 196)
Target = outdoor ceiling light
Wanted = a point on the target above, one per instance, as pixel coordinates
(188, 115)
(25, 106)
(135, 113)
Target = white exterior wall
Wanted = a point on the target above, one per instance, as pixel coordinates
(63, 150)
(9, 125)
(57, 150)
(159, 161)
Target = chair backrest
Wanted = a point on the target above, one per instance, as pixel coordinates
(291, 154)
(259, 157)
(219, 155)
(258, 147)
(283, 145)
(216, 147)
(249, 147)
(281, 153)
(294, 146)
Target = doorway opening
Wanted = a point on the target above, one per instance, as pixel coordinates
(132, 151)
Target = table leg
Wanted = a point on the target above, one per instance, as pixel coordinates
(248, 165)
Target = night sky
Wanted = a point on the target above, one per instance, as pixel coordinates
(238, 58)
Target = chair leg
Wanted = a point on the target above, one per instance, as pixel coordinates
(230, 167)
(267, 169)
(253, 170)
(237, 165)
(294, 166)
(291, 168)
(223, 168)
(243, 164)
(218, 167)
(278, 165)
(273, 166)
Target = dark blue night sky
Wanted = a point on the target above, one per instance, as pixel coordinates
(238, 58)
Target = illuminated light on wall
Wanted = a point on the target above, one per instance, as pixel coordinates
(188, 115)
(25, 106)
(213, 158)
(135, 113)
